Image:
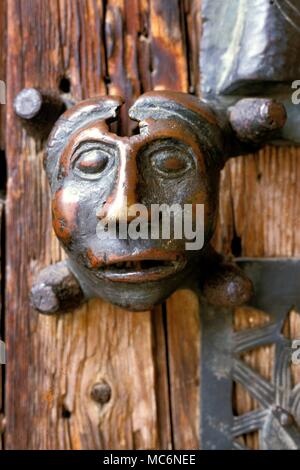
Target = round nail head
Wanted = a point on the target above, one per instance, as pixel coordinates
(44, 299)
(101, 393)
(28, 103)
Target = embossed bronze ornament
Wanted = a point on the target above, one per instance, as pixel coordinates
(176, 157)
(257, 55)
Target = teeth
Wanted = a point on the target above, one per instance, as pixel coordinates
(141, 265)
(127, 265)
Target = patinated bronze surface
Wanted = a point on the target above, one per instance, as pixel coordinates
(176, 157)
(258, 54)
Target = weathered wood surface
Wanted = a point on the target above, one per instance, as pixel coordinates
(2, 420)
(2, 189)
(149, 360)
(2, 67)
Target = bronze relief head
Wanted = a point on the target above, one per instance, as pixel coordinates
(101, 180)
(94, 174)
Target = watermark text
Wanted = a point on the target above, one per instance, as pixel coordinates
(160, 222)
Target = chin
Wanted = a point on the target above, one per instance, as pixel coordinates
(137, 298)
(128, 290)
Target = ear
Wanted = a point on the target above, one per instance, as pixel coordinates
(84, 113)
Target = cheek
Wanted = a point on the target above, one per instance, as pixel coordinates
(206, 193)
(203, 197)
(65, 206)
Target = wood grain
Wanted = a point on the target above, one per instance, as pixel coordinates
(149, 360)
(2, 204)
(2, 70)
(259, 203)
(1, 319)
(98, 344)
(184, 358)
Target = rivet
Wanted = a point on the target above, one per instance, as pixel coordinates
(101, 393)
(38, 110)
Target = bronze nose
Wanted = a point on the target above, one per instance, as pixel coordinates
(119, 204)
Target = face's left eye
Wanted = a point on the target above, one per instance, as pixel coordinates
(90, 161)
(172, 161)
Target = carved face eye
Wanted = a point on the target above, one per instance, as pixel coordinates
(172, 160)
(91, 160)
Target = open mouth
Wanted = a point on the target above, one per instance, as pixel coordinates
(141, 270)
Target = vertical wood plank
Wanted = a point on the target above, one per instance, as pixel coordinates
(169, 62)
(1, 320)
(122, 27)
(184, 360)
(2, 68)
(160, 352)
(27, 203)
(2, 203)
(192, 23)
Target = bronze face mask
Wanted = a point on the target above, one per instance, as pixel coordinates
(97, 176)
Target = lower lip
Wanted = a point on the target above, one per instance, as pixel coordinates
(151, 274)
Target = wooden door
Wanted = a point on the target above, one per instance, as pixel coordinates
(149, 362)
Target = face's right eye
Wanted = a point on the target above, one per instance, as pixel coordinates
(91, 160)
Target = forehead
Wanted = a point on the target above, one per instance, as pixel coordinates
(172, 127)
